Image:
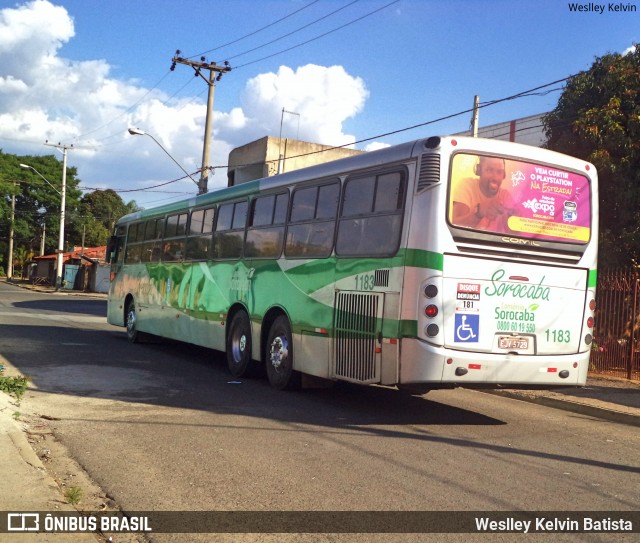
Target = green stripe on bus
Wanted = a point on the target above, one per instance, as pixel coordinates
(424, 259)
(408, 328)
(592, 281)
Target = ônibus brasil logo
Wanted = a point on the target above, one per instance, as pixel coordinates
(530, 292)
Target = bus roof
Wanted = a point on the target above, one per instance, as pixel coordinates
(365, 161)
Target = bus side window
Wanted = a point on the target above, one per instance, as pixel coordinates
(312, 222)
(265, 232)
(134, 236)
(116, 248)
(228, 238)
(371, 218)
(199, 237)
(174, 237)
(151, 232)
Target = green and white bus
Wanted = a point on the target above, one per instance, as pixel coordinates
(442, 262)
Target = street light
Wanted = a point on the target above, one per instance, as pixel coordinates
(138, 132)
(62, 193)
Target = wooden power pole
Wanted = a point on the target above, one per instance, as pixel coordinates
(215, 73)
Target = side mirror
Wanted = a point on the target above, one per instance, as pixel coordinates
(112, 244)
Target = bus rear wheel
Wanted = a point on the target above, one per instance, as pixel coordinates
(279, 356)
(239, 347)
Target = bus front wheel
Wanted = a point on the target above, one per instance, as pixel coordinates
(279, 356)
(239, 346)
(133, 335)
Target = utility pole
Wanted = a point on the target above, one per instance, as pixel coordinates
(42, 238)
(11, 234)
(211, 81)
(474, 118)
(63, 192)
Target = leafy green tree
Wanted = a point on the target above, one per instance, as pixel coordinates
(598, 119)
(89, 218)
(37, 202)
(97, 216)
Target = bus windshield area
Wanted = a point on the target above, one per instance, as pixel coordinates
(534, 201)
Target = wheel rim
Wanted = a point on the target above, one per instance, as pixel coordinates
(131, 321)
(238, 347)
(279, 352)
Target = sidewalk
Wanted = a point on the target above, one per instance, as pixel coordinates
(608, 398)
(26, 485)
(52, 290)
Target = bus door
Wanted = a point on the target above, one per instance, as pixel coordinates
(511, 308)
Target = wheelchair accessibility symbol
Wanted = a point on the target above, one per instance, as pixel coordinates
(467, 328)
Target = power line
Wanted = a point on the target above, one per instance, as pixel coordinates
(318, 37)
(255, 31)
(132, 106)
(79, 138)
(141, 189)
(529, 92)
(522, 94)
(293, 31)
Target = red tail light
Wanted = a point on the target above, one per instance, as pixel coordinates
(431, 311)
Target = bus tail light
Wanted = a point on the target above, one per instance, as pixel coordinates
(431, 320)
(433, 330)
(588, 338)
(430, 291)
(431, 311)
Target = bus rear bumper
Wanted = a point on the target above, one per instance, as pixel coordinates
(425, 363)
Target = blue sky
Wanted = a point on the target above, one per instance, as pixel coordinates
(82, 71)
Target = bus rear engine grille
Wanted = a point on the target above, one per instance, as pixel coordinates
(357, 327)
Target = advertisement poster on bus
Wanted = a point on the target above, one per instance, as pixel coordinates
(534, 201)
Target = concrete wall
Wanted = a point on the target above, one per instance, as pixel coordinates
(269, 156)
(100, 280)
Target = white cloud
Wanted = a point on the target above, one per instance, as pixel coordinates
(375, 145)
(44, 96)
(318, 98)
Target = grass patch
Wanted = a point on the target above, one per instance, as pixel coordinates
(73, 495)
(15, 386)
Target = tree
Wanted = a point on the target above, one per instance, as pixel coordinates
(97, 216)
(37, 202)
(598, 119)
(90, 218)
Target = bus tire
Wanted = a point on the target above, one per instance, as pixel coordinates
(279, 356)
(239, 346)
(131, 322)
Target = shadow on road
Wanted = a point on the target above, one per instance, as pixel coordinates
(79, 305)
(102, 364)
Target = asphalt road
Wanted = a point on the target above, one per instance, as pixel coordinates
(163, 426)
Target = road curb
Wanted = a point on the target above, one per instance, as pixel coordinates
(573, 406)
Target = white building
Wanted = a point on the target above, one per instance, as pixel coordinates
(527, 130)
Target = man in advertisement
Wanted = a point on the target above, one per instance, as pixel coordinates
(481, 202)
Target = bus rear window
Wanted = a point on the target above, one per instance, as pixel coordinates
(503, 196)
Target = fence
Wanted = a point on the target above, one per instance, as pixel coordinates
(616, 346)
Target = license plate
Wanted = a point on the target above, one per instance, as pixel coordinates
(513, 343)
